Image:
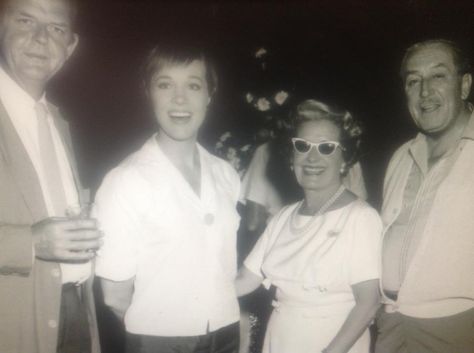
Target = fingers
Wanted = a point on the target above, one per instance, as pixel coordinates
(77, 224)
(77, 250)
(83, 235)
(61, 224)
(78, 246)
(74, 256)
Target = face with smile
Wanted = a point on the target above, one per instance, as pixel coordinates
(36, 39)
(179, 94)
(313, 170)
(434, 88)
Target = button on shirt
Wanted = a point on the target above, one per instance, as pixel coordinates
(181, 248)
(21, 110)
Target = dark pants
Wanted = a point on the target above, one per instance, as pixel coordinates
(398, 333)
(224, 340)
(73, 332)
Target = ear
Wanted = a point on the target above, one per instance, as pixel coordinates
(466, 86)
(73, 45)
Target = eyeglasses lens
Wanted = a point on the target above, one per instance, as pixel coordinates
(302, 146)
(326, 148)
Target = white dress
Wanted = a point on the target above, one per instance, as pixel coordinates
(313, 261)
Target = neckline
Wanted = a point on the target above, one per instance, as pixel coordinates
(327, 212)
(175, 171)
(327, 204)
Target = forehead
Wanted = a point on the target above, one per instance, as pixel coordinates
(60, 10)
(319, 130)
(425, 57)
(195, 68)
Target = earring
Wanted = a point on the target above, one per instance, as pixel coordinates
(343, 169)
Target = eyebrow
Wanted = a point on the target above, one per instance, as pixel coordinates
(30, 15)
(159, 76)
(440, 65)
(26, 14)
(437, 66)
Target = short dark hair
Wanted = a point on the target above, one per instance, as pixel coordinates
(460, 54)
(173, 53)
(350, 128)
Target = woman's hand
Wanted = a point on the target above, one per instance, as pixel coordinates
(246, 281)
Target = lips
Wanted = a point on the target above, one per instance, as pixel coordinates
(429, 107)
(313, 170)
(179, 116)
(36, 58)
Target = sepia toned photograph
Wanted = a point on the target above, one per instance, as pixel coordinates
(236, 176)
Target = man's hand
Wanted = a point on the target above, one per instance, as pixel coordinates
(66, 240)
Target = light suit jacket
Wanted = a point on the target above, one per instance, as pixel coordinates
(30, 289)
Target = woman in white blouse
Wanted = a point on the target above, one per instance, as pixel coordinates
(322, 253)
(168, 213)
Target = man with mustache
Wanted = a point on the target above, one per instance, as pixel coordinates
(428, 211)
(46, 302)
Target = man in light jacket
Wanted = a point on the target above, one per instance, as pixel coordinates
(46, 302)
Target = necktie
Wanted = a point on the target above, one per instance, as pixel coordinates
(50, 162)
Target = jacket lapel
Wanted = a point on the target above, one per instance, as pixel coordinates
(18, 162)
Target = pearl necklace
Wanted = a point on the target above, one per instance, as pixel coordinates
(296, 230)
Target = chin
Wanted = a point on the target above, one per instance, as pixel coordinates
(313, 186)
(182, 137)
(35, 74)
(432, 129)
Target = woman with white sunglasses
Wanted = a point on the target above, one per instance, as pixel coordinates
(321, 253)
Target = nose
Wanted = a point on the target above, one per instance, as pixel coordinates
(424, 88)
(40, 34)
(179, 96)
(313, 154)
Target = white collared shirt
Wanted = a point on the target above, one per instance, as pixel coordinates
(181, 248)
(21, 109)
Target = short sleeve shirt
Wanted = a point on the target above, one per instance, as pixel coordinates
(179, 247)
